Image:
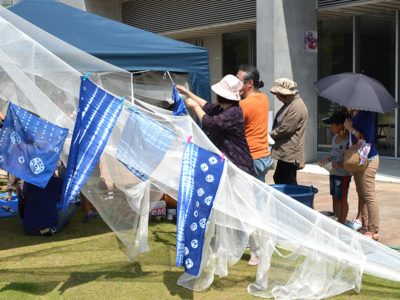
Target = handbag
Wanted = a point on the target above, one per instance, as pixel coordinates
(351, 161)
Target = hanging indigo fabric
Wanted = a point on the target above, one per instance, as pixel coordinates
(200, 176)
(97, 114)
(179, 106)
(143, 144)
(29, 146)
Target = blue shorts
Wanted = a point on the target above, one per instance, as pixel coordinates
(339, 186)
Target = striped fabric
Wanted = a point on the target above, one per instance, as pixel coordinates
(186, 187)
(30, 147)
(97, 114)
(200, 176)
(143, 144)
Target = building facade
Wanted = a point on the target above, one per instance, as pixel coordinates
(300, 39)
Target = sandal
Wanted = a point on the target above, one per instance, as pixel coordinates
(372, 235)
(90, 216)
(253, 261)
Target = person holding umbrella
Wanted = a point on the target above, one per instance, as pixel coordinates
(362, 125)
(363, 96)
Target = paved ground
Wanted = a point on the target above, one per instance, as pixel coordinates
(388, 194)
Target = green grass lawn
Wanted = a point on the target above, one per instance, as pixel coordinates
(86, 261)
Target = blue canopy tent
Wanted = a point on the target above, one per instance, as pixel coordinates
(122, 45)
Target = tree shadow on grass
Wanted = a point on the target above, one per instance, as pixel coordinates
(170, 279)
(95, 244)
(36, 280)
(13, 236)
(33, 288)
(122, 273)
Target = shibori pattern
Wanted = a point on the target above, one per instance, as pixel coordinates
(98, 111)
(29, 146)
(153, 138)
(179, 107)
(200, 176)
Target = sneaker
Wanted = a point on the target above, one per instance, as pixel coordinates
(355, 224)
(253, 261)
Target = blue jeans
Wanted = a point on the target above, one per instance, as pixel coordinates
(261, 167)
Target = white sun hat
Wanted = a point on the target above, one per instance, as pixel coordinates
(228, 87)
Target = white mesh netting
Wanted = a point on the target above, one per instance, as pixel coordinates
(303, 253)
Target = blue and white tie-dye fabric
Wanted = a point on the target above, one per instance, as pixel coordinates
(179, 106)
(97, 114)
(200, 176)
(153, 138)
(29, 146)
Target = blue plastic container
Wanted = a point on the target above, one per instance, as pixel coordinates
(302, 193)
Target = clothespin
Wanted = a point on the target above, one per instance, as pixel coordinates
(222, 157)
(86, 76)
(189, 139)
(123, 98)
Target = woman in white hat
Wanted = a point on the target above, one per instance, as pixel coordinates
(224, 121)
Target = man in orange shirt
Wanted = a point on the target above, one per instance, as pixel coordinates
(255, 107)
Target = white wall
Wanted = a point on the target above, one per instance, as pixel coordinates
(280, 27)
(214, 46)
(106, 8)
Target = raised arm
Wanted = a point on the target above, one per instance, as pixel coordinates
(198, 109)
(189, 94)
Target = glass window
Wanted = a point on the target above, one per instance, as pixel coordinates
(335, 55)
(376, 58)
(235, 51)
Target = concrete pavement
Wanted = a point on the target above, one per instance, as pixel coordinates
(387, 189)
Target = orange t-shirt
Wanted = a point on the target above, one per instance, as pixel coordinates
(255, 111)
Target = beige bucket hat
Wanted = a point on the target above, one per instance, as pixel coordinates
(228, 87)
(284, 86)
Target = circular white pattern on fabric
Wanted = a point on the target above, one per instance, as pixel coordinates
(36, 165)
(196, 213)
(21, 159)
(212, 160)
(15, 138)
(204, 167)
(200, 192)
(186, 251)
(194, 243)
(55, 149)
(209, 178)
(208, 200)
(197, 203)
(1, 158)
(188, 263)
(202, 223)
(193, 226)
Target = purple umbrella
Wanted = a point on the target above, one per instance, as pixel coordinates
(356, 91)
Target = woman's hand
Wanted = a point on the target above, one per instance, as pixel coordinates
(191, 103)
(182, 90)
(348, 124)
